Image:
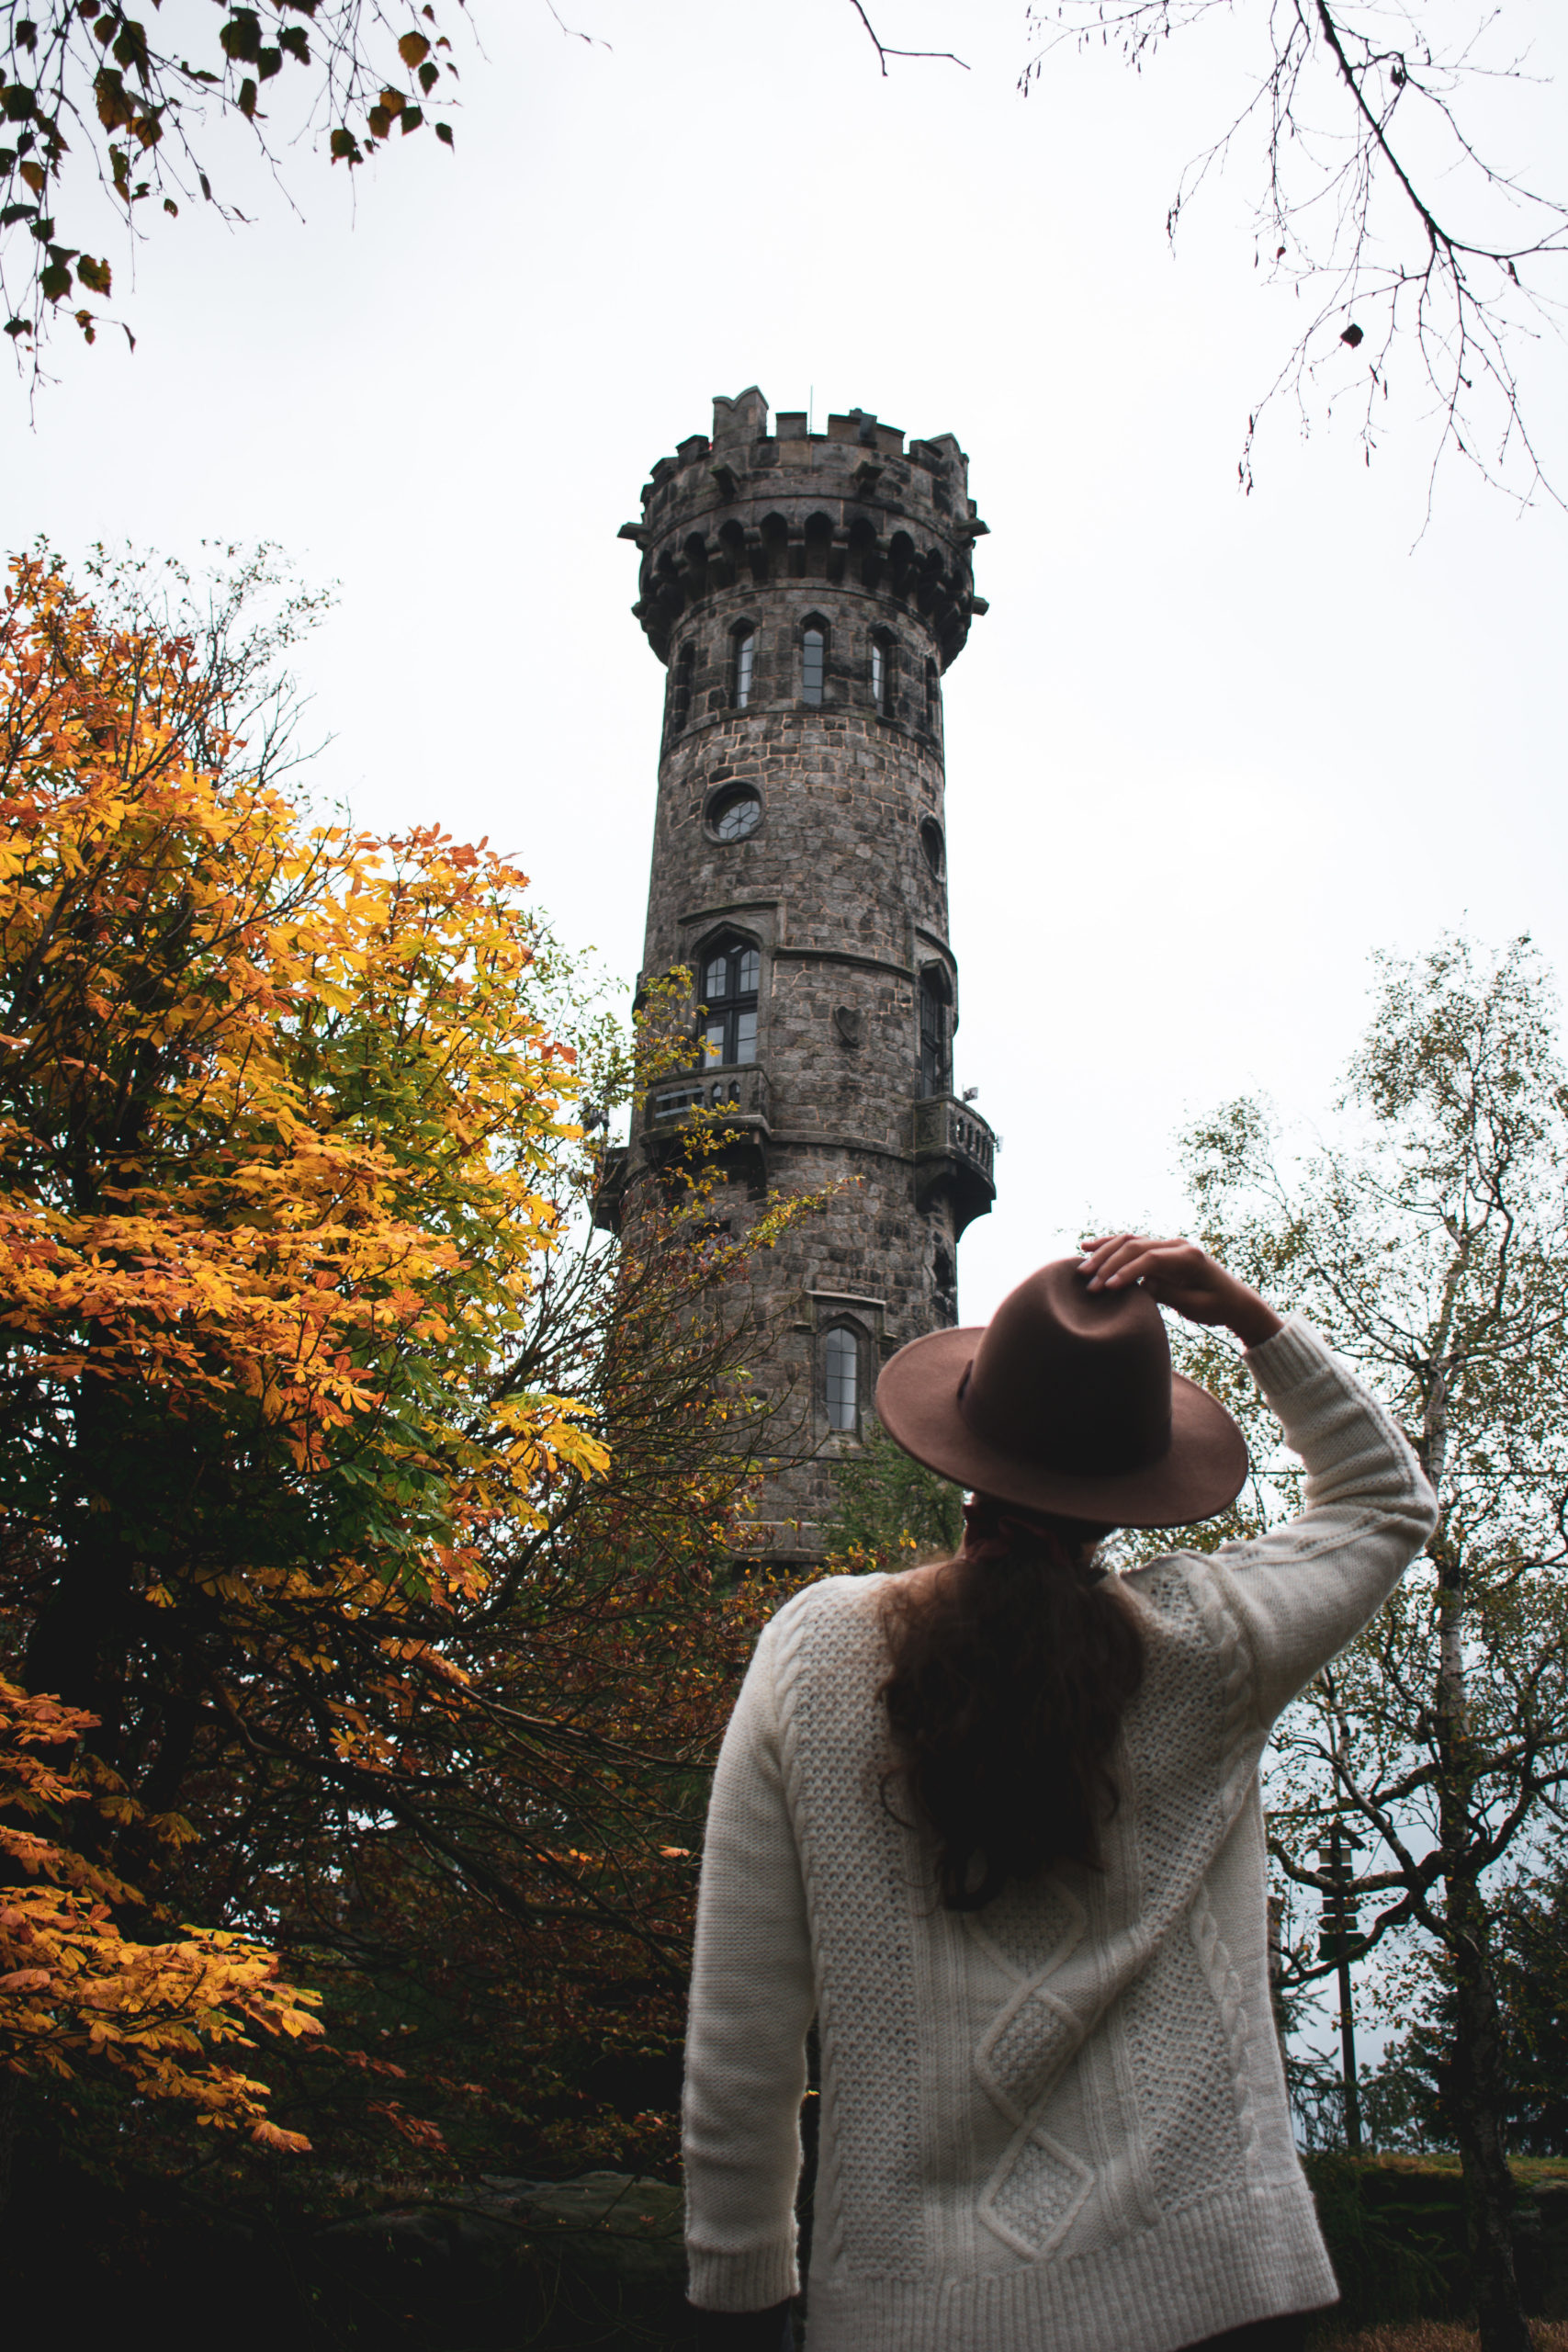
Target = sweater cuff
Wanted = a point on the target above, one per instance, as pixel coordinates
(1289, 1358)
(752, 2281)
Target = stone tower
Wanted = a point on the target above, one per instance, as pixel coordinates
(807, 592)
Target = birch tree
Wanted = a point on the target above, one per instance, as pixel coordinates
(1431, 1245)
(1384, 156)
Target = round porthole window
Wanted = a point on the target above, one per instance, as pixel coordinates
(734, 813)
(933, 845)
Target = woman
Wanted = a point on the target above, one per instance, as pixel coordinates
(996, 1825)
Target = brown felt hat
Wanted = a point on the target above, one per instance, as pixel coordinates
(1065, 1401)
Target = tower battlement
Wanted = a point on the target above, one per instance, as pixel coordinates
(851, 506)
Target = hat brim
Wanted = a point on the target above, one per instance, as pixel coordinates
(1204, 1470)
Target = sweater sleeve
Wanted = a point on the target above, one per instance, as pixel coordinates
(751, 2003)
(1304, 1589)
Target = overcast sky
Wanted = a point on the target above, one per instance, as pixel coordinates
(1205, 752)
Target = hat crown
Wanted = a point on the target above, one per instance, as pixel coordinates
(1071, 1379)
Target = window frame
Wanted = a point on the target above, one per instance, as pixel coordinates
(728, 795)
(743, 640)
(884, 672)
(734, 1011)
(814, 626)
(935, 1036)
(839, 1339)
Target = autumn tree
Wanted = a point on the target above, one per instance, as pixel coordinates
(309, 1364)
(1432, 1247)
(1386, 187)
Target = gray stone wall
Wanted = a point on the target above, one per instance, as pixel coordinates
(840, 883)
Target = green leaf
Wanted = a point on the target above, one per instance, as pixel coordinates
(444, 133)
(95, 274)
(18, 102)
(241, 36)
(54, 280)
(269, 62)
(346, 148)
(297, 41)
(17, 326)
(130, 49)
(247, 100)
(428, 77)
(413, 117)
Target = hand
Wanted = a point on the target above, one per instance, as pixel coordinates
(1180, 1274)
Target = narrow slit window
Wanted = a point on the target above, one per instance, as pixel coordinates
(814, 660)
(936, 1038)
(884, 674)
(681, 704)
(932, 704)
(841, 1378)
(745, 666)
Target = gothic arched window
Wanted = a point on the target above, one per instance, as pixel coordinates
(813, 660)
(727, 987)
(936, 1033)
(841, 1378)
(745, 665)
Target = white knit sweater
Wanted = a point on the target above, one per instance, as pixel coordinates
(1060, 2122)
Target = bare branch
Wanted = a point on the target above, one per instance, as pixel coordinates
(883, 53)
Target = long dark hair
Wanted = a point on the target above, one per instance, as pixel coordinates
(1012, 1668)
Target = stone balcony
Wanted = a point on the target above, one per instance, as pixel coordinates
(725, 1098)
(955, 1151)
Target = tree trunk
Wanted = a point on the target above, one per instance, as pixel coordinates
(11, 2103)
(1477, 2084)
(1475, 2102)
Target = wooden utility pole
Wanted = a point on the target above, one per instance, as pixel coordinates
(1340, 1915)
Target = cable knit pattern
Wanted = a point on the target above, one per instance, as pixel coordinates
(1060, 2121)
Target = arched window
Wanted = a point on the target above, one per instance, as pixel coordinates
(813, 660)
(728, 989)
(681, 699)
(932, 705)
(883, 672)
(745, 665)
(841, 1378)
(936, 1035)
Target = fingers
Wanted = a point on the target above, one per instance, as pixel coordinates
(1113, 1262)
(1115, 1259)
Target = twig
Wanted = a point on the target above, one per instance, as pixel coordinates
(883, 53)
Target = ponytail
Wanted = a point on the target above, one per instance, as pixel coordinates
(1011, 1671)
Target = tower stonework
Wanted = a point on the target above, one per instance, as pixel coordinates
(807, 592)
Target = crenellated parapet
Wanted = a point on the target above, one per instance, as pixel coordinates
(746, 509)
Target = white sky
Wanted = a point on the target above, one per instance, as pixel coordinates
(1203, 755)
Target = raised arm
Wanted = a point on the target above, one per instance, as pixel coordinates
(1304, 1589)
(751, 2004)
